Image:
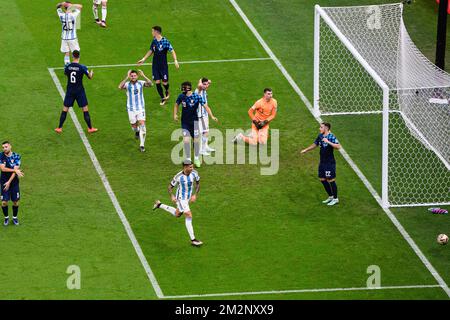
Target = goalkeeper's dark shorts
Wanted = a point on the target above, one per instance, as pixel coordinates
(327, 170)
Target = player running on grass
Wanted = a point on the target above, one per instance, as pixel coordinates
(75, 91)
(9, 181)
(160, 69)
(261, 113)
(184, 181)
(136, 103)
(203, 116)
(104, 3)
(327, 165)
(68, 13)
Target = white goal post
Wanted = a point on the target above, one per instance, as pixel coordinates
(366, 64)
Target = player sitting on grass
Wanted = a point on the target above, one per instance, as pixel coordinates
(184, 195)
(68, 13)
(75, 91)
(261, 113)
(203, 116)
(327, 165)
(136, 103)
(95, 5)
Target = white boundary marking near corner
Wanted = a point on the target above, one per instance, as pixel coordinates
(181, 62)
(131, 235)
(349, 160)
(299, 291)
(110, 192)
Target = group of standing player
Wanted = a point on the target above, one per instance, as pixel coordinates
(195, 113)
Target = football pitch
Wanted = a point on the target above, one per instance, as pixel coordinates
(87, 199)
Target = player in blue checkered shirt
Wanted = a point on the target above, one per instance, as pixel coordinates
(327, 165)
(9, 181)
(160, 69)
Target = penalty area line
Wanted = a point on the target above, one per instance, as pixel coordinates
(109, 190)
(345, 155)
(180, 62)
(301, 291)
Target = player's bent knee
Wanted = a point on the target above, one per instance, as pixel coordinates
(331, 180)
(322, 179)
(4, 203)
(188, 214)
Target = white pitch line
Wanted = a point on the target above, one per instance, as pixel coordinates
(299, 291)
(181, 62)
(110, 192)
(349, 160)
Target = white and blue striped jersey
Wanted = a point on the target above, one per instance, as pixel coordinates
(135, 95)
(185, 184)
(68, 22)
(201, 111)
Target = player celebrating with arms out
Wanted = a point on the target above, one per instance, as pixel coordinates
(136, 103)
(160, 69)
(75, 91)
(261, 113)
(95, 5)
(190, 102)
(184, 180)
(9, 181)
(69, 40)
(203, 115)
(327, 165)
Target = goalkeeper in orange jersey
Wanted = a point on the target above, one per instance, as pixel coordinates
(261, 113)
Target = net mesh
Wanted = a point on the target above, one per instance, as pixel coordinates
(419, 112)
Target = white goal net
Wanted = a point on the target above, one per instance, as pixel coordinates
(366, 63)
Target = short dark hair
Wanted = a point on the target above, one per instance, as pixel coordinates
(327, 124)
(76, 54)
(187, 162)
(5, 142)
(186, 86)
(133, 71)
(157, 28)
(205, 80)
(267, 89)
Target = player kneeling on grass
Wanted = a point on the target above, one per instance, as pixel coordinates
(136, 103)
(327, 165)
(75, 91)
(184, 180)
(9, 181)
(261, 113)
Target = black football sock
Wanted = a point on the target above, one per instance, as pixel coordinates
(334, 189)
(160, 90)
(62, 118)
(327, 187)
(5, 211)
(166, 87)
(15, 211)
(87, 118)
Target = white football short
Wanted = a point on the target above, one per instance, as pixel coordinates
(183, 205)
(135, 116)
(69, 45)
(98, 2)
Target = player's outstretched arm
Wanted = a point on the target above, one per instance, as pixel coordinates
(16, 170)
(148, 54)
(311, 147)
(174, 56)
(208, 109)
(175, 112)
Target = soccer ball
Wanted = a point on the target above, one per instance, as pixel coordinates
(442, 239)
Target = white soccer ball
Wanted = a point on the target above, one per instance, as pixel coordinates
(442, 239)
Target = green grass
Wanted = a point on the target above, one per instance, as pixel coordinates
(260, 232)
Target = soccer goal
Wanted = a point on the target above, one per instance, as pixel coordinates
(366, 64)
